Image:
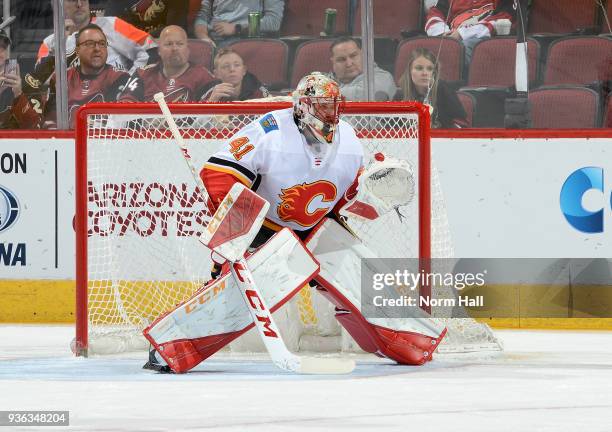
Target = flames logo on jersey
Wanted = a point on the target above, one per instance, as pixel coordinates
(296, 200)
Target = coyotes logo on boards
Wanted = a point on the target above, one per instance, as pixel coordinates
(296, 202)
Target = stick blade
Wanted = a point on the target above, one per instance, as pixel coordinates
(325, 366)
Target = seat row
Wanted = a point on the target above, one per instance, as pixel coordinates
(392, 17)
(580, 60)
(557, 107)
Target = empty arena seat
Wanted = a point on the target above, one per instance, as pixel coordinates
(266, 58)
(564, 107)
(451, 56)
(391, 17)
(469, 105)
(200, 52)
(607, 123)
(562, 16)
(307, 17)
(579, 60)
(493, 62)
(310, 56)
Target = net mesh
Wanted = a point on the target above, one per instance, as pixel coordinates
(145, 213)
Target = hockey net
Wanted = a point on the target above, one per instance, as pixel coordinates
(139, 215)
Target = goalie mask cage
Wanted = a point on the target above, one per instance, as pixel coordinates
(138, 215)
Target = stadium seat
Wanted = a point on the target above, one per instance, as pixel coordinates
(451, 56)
(306, 17)
(310, 56)
(564, 107)
(493, 62)
(607, 123)
(579, 60)
(562, 16)
(469, 105)
(200, 53)
(391, 17)
(266, 58)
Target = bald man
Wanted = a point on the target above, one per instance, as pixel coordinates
(173, 75)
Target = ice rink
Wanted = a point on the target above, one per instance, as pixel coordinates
(544, 381)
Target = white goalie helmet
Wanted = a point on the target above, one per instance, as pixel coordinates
(316, 106)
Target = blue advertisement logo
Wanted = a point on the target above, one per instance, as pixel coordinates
(576, 185)
(9, 209)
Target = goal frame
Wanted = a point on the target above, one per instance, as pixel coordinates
(253, 108)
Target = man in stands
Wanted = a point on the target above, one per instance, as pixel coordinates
(470, 21)
(15, 111)
(306, 163)
(93, 79)
(173, 75)
(227, 20)
(347, 66)
(234, 82)
(127, 45)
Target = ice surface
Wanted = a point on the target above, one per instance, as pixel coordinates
(544, 381)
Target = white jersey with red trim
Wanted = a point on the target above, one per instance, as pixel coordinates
(272, 156)
(127, 45)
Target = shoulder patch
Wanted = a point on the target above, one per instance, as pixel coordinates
(268, 123)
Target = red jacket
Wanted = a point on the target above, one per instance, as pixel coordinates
(468, 12)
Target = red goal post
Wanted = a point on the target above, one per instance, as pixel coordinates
(122, 145)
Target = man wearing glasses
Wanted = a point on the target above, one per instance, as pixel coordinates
(92, 80)
(128, 45)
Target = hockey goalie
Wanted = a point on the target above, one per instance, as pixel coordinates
(309, 166)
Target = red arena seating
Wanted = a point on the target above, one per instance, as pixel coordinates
(493, 62)
(579, 60)
(266, 58)
(564, 107)
(200, 53)
(310, 56)
(469, 105)
(391, 17)
(562, 16)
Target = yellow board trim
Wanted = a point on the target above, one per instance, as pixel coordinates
(53, 302)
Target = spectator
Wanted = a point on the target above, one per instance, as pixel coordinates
(149, 15)
(234, 81)
(420, 82)
(347, 66)
(173, 75)
(470, 20)
(93, 79)
(15, 111)
(224, 21)
(128, 45)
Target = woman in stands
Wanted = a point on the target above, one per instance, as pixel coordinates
(420, 81)
(234, 82)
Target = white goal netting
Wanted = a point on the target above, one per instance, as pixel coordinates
(144, 216)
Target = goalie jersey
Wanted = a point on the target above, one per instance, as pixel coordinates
(271, 156)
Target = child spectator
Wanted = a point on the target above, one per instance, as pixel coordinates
(420, 82)
(234, 81)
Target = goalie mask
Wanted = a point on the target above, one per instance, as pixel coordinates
(316, 106)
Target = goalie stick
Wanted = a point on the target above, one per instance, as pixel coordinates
(230, 231)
